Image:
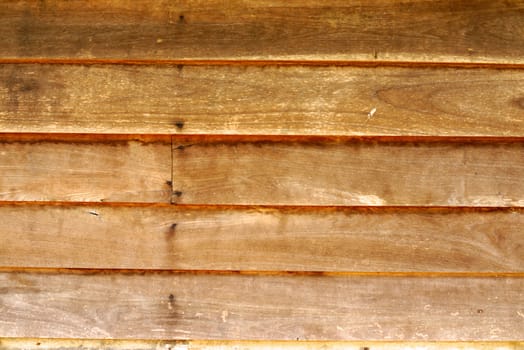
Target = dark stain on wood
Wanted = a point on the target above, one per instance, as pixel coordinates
(25, 31)
(519, 102)
(171, 232)
(21, 88)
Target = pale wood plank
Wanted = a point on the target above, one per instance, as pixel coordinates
(379, 30)
(261, 100)
(118, 170)
(263, 307)
(348, 173)
(396, 240)
(80, 344)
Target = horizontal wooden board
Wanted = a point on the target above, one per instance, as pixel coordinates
(263, 307)
(118, 171)
(262, 100)
(348, 173)
(80, 344)
(350, 240)
(378, 30)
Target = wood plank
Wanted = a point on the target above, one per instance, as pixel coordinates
(81, 344)
(348, 173)
(264, 307)
(83, 170)
(378, 30)
(265, 100)
(349, 240)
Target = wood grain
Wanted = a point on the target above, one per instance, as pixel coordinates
(378, 30)
(349, 173)
(246, 307)
(261, 100)
(82, 344)
(349, 240)
(118, 171)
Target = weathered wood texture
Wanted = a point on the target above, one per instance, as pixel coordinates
(349, 173)
(389, 70)
(262, 100)
(81, 344)
(395, 240)
(126, 171)
(211, 306)
(381, 30)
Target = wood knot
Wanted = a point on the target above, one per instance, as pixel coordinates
(519, 102)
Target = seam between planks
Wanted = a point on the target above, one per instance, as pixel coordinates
(248, 138)
(193, 62)
(106, 271)
(276, 207)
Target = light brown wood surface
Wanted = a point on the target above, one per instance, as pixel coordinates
(82, 344)
(379, 30)
(271, 307)
(248, 174)
(348, 173)
(261, 307)
(117, 171)
(350, 240)
(265, 100)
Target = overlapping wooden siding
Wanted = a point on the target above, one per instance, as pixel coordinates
(265, 307)
(263, 239)
(262, 100)
(378, 30)
(354, 173)
(85, 170)
(343, 172)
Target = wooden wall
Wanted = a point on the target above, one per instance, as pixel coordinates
(253, 174)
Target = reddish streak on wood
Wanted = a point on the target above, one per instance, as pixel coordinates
(280, 208)
(193, 138)
(85, 271)
(349, 63)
